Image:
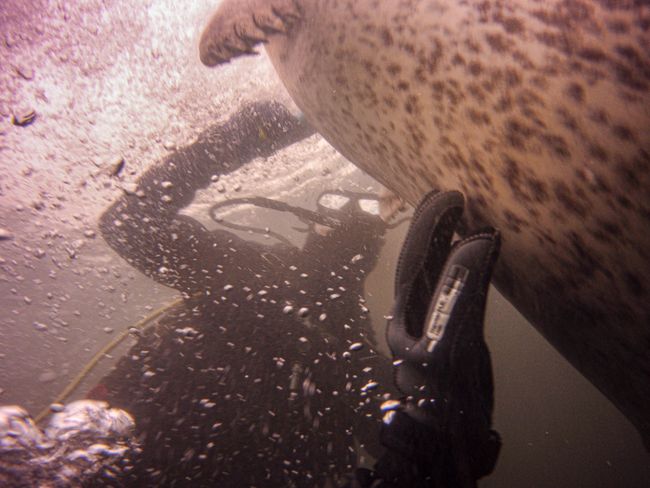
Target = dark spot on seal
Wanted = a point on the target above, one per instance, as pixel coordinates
(578, 11)
(630, 53)
(618, 26)
(644, 212)
(556, 40)
(391, 102)
(567, 200)
(393, 69)
(458, 60)
(516, 133)
(523, 60)
(576, 92)
(341, 80)
(601, 236)
(627, 173)
(513, 222)
(475, 68)
(417, 138)
(512, 25)
(611, 228)
(476, 92)
(599, 116)
(598, 153)
(538, 189)
(478, 117)
(532, 116)
(475, 208)
(412, 105)
(527, 98)
(473, 46)
(407, 47)
(643, 23)
(548, 17)
(557, 145)
(592, 54)
(567, 119)
(634, 284)
(539, 81)
(386, 37)
(497, 42)
(628, 77)
(371, 68)
(585, 263)
(512, 77)
(624, 133)
(624, 201)
(557, 216)
(641, 163)
(524, 186)
(544, 238)
(486, 179)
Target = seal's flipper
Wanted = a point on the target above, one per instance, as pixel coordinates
(238, 25)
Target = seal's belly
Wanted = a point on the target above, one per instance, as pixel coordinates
(539, 113)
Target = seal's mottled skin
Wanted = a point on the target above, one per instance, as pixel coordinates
(538, 111)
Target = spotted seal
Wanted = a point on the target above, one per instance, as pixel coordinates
(538, 111)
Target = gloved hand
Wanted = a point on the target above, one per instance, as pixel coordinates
(442, 364)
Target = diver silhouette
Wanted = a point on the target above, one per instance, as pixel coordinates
(266, 373)
(250, 381)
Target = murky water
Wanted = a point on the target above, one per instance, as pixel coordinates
(256, 374)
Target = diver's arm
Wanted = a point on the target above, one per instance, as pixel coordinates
(145, 227)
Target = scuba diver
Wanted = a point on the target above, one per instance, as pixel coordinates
(266, 373)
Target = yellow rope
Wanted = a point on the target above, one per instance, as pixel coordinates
(101, 353)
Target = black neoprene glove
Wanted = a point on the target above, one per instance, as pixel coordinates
(442, 363)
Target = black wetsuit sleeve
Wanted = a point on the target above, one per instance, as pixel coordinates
(145, 227)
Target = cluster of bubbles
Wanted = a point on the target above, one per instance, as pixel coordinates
(84, 441)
